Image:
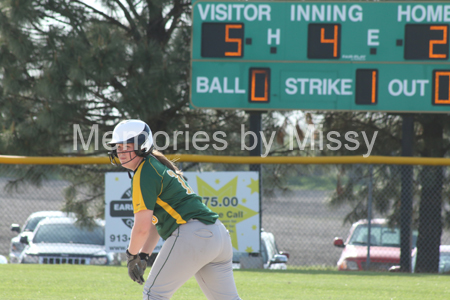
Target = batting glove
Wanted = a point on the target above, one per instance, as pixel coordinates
(135, 266)
(144, 261)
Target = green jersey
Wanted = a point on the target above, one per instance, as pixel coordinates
(158, 188)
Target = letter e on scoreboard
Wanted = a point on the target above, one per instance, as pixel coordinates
(366, 92)
(259, 85)
(441, 87)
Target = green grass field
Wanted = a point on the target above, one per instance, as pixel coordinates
(94, 282)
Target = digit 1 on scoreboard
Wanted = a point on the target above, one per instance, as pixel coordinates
(441, 87)
(259, 85)
(366, 92)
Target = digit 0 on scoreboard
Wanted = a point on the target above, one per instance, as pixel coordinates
(224, 40)
(366, 92)
(259, 85)
(426, 42)
(441, 87)
(324, 41)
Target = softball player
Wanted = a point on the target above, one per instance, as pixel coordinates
(196, 242)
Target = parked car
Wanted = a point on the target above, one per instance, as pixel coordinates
(444, 259)
(62, 241)
(3, 260)
(384, 246)
(272, 258)
(32, 221)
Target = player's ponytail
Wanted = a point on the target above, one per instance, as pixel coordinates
(165, 161)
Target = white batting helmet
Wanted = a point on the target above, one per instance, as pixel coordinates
(135, 132)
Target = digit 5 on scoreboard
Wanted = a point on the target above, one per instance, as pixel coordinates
(224, 40)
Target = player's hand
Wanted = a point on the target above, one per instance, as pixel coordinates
(144, 260)
(135, 268)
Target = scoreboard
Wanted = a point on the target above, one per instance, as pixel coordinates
(349, 56)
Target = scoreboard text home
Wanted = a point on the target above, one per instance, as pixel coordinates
(321, 56)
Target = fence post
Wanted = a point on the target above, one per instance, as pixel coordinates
(369, 217)
(256, 127)
(406, 194)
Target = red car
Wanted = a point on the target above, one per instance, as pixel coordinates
(384, 246)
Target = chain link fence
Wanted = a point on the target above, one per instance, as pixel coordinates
(305, 207)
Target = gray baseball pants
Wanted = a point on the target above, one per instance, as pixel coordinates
(194, 249)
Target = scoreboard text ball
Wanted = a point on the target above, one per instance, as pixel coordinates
(323, 56)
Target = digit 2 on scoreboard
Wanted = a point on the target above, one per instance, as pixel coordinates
(426, 41)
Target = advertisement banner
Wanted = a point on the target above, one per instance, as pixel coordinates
(234, 196)
(119, 216)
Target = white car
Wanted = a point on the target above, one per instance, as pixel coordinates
(28, 229)
(270, 257)
(63, 241)
(3, 260)
(444, 259)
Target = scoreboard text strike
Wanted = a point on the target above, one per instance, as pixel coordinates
(321, 56)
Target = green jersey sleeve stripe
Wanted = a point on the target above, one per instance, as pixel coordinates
(159, 176)
(172, 212)
(138, 199)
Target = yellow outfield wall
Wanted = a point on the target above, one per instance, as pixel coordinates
(391, 160)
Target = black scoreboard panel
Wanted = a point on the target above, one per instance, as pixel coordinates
(222, 40)
(324, 41)
(366, 88)
(259, 85)
(441, 87)
(426, 42)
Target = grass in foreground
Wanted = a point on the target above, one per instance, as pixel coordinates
(96, 283)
